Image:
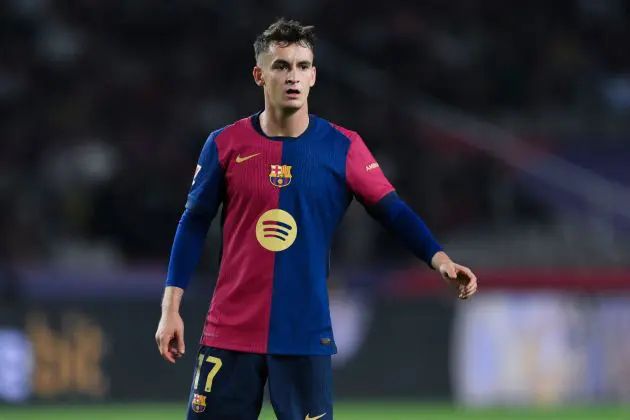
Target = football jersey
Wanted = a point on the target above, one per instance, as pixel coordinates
(283, 199)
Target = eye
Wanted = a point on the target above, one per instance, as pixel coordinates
(280, 66)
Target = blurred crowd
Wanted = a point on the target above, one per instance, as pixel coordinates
(106, 104)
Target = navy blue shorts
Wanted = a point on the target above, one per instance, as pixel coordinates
(229, 385)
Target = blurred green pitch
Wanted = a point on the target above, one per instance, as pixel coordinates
(343, 411)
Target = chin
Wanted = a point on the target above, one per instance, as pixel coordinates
(292, 106)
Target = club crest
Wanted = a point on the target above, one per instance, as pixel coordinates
(280, 175)
(199, 403)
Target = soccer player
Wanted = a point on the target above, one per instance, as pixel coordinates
(285, 178)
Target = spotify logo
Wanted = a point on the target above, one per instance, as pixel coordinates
(276, 230)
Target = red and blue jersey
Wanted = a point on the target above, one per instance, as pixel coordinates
(283, 199)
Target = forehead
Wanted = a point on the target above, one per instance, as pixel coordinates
(291, 53)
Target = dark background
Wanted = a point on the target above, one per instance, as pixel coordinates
(503, 124)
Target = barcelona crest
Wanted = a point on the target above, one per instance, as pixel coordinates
(280, 175)
(199, 403)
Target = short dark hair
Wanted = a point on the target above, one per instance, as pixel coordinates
(285, 32)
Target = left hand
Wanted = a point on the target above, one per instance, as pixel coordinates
(460, 277)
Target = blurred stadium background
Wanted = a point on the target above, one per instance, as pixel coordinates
(505, 124)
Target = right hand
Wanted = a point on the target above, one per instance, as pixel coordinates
(170, 336)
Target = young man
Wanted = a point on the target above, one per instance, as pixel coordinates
(285, 178)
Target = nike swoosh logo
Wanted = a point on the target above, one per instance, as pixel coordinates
(240, 159)
(308, 417)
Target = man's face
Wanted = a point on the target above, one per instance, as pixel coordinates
(287, 74)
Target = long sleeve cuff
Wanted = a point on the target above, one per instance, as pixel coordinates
(400, 220)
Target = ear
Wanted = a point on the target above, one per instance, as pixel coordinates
(258, 76)
(313, 76)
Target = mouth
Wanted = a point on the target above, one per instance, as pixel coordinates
(293, 93)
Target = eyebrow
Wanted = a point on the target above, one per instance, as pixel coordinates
(300, 63)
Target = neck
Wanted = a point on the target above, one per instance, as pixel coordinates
(279, 123)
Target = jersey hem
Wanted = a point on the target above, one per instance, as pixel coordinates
(258, 350)
(232, 346)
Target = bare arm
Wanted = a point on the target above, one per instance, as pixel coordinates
(458, 276)
(369, 184)
(170, 333)
(204, 198)
(172, 299)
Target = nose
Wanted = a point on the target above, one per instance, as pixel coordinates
(292, 76)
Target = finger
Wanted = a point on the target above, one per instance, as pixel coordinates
(469, 291)
(465, 277)
(158, 341)
(462, 291)
(451, 272)
(180, 343)
(472, 287)
(164, 350)
(468, 273)
(173, 349)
